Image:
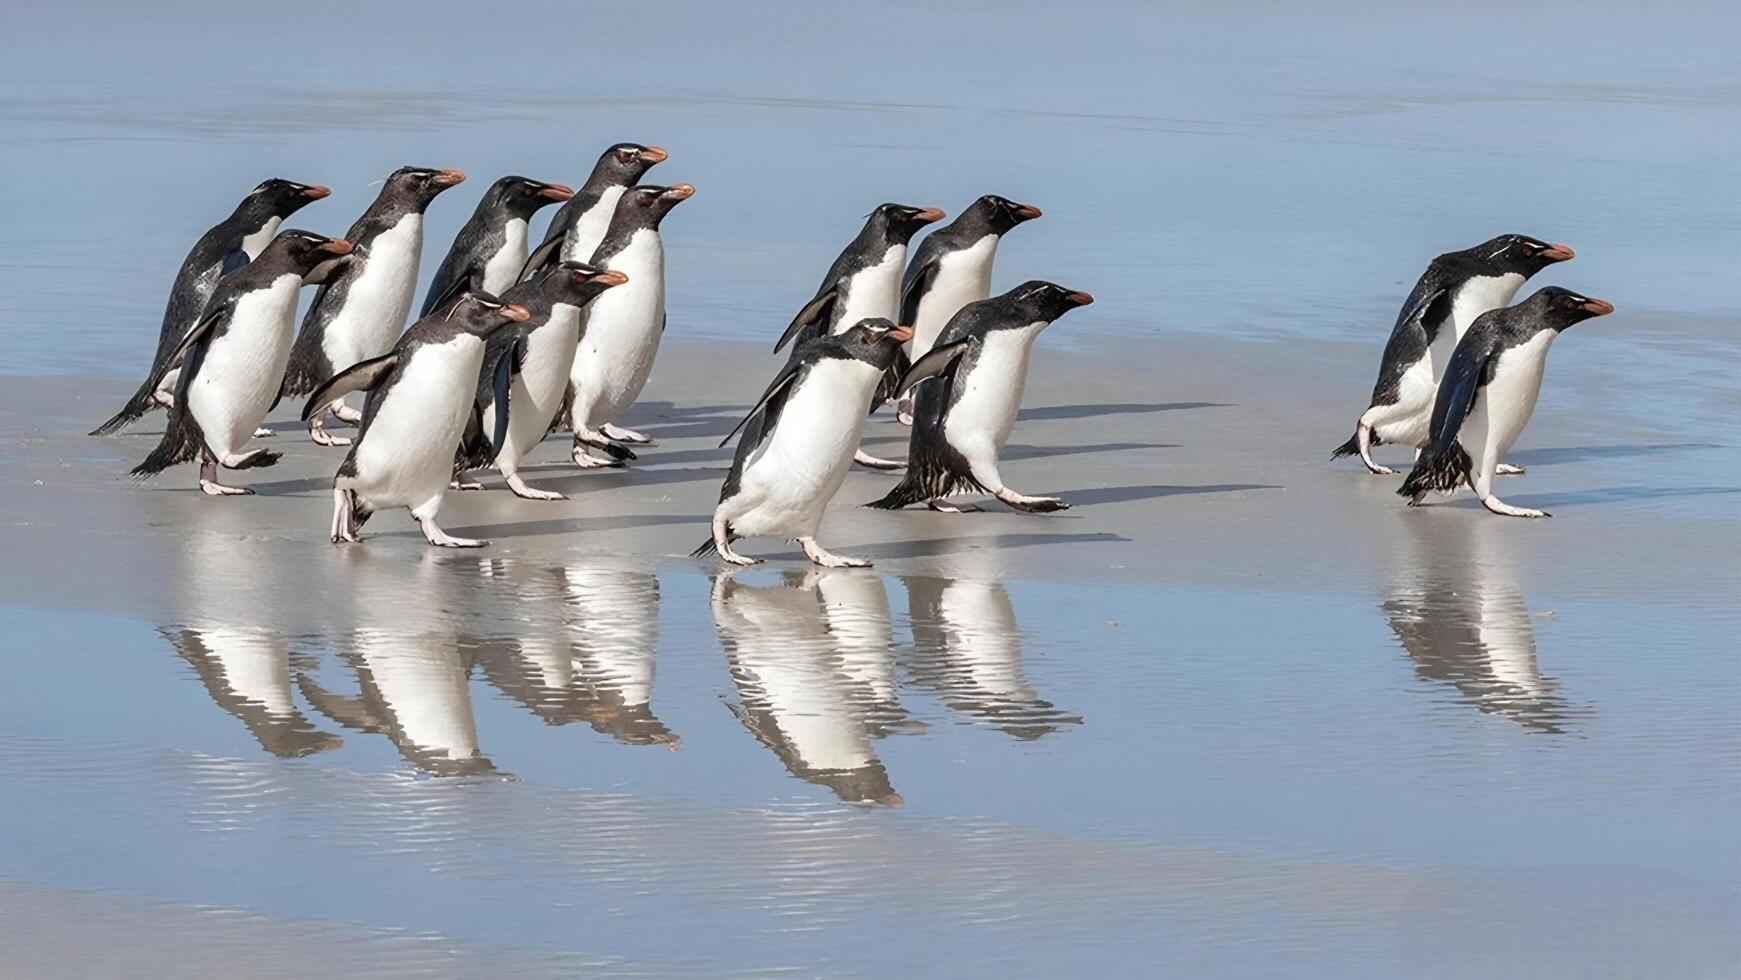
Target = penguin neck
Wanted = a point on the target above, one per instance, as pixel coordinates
(628, 244)
(591, 221)
(1480, 294)
(254, 242)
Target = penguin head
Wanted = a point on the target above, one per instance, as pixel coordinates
(1000, 214)
(303, 252)
(875, 340)
(521, 197)
(579, 283)
(648, 204)
(1039, 301)
(899, 222)
(1521, 254)
(484, 313)
(623, 165)
(282, 198)
(1557, 308)
(417, 186)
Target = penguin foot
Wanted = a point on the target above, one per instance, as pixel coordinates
(904, 410)
(213, 488)
(163, 399)
(463, 481)
(943, 506)
(264, 433)
(523, 489)
(1378, 469)
(346, 414)
(863, 458)
(736, 559)
(441, 539)
(1509, 469)
(627, 435)
(1031, 505)
(587, 461)
(828, 559)
(318, 434)
(1504, 509)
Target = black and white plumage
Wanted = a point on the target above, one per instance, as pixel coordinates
(973, 381)
(489, 252)
(421, 394)
(360, 312)
(233, 359)
(530, 364)
(1456, 288)
(1489, 392)
(580, 225)
(951, 269)
(799, 439)
(226, 246)
(622, 329)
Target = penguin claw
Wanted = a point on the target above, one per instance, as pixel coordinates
(1509, 469)
(739, 560)
(212, 488)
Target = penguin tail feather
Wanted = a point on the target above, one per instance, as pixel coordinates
(707, 549)
(143, 400)
(259, 460)
(1443, 473)
(176, 446)
(1349, 448)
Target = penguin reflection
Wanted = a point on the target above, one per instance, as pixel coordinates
(413, 684)
(1458, 611)
(588, 654)
(806, 691)
(234, 642)
(968, 648)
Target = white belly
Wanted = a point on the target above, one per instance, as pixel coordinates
(586, 235)
(378, 300)
(789, 480)
(256, 665)
(541, 384)
(242, 371)
(503, 268)
(1479, 295)
(874, 292)
(406, 458)
(623, 328)
(962, 277)
(992, 391)
(1505, 404)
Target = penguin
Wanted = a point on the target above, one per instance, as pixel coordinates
(233, 358)
(863, 282)
(623, 328)
(799, 440)
(962, 419)
(1456, 288)
(531, 365)
(489, 252)
(420, 395)
(952, 269)
(359, 314)
(226, 246)
(579, 227)
(1489, 393)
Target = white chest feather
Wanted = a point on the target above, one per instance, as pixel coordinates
(1504, 405)
(377, 301)
(787, 483)
(254, 243)
(541, 384)
(874, 292)
(583, 239)
(991, 393)
(962, 277)
(503, 268)
(623, 329)
(406, 456)
(239, 378)
(1473, 298)
(423, 682)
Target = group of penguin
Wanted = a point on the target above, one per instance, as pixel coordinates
(1463, 368)
(513, 342)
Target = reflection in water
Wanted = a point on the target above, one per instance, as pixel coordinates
(807, 687)
(967, 647)
(1459, 613)
(586, 653)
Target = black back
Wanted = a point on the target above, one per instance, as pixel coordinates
(484, 234)
(621, 165)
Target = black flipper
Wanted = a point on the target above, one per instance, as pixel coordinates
(1444, 465)
(914, 291)
(503, 384)
(443, 294)
(935, 362)
(357, 377)
(787, 374)
(233, 261)
(814, 313)
(182, 439)
(548, 253)
(933, 470)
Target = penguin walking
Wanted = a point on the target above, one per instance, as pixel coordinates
(1456, 288)
(962, 419)
(358, 315)
(580, 225)
(420, 395)
(952, 269)
(233, 358)
(623, 328)
(864, 282)
(226, 246)
(799, 440)
(490, 250)
(1489, 393)
(524, 376)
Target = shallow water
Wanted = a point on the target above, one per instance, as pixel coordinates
(1482, 753)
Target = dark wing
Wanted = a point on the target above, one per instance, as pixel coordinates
(191, 350)
(816, 311)
(1463, 379)
(357, 377)
(1410, 338)
(935, 362)
(233, 261)
(444, 289)
(787, 375)
(917, 285)
(546, 254)
(504, 380)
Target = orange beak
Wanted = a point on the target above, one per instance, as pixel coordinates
(928, 215)
(1599, 307)
(1028, 212)
(316, 192)
(1080, 298)
(557, 192)
(338, 246)
(1558, 253)
(516, 313)
(652, 155)
(900, 335)
(448, 178)
(609, 277)
(679, 192)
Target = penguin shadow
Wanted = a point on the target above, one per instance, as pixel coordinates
(1579, 454)
(811, 659)
(666, 421)
(1096, 411)
(572, 525)
(646, 473)
(1455, 606)
(247, 672)
(1046, 452)
(1120, 495)
(957, 544)
(1597, 496)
